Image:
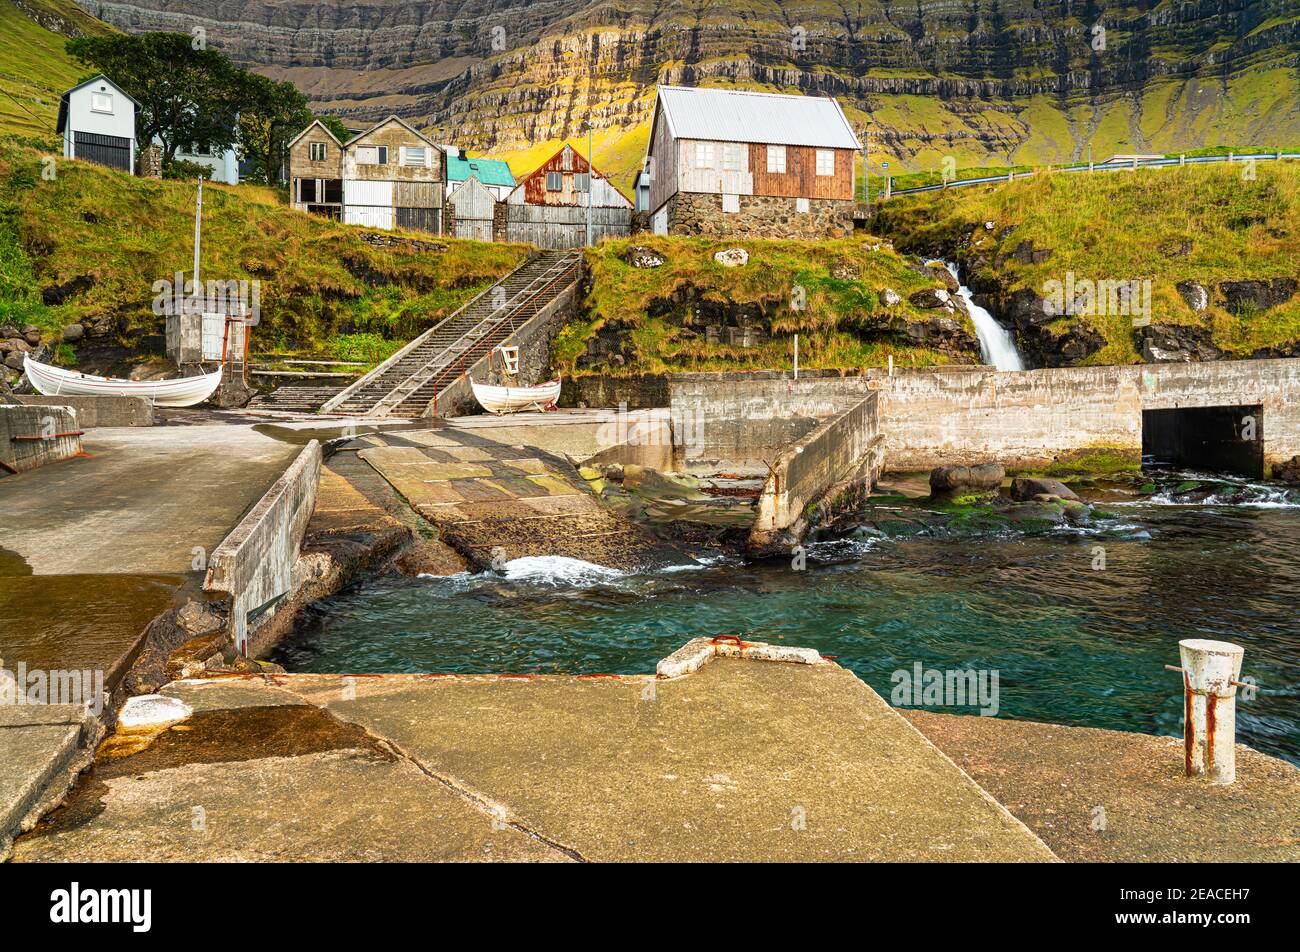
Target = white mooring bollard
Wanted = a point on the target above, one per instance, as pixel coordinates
(1211, 670)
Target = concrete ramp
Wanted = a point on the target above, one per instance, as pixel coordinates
(494, 502)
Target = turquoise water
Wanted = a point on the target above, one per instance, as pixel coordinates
(1071, 644)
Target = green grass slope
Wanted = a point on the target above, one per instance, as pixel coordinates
(829, 292)
(104, 238)
(1207, 224)
(34, 69)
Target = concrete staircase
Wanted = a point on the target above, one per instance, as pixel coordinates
(295, 399)
(409, 382)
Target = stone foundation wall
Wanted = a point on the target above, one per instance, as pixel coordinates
(760, 216)
(641, 392)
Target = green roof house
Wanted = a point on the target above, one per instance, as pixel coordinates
(492, 174)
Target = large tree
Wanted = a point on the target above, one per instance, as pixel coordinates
(272, 114)
(185, 95)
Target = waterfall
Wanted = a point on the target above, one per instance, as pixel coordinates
(997, 346)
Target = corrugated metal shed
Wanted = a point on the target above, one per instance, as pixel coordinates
(727, 115)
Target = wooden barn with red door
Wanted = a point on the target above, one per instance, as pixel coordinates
(553, 205)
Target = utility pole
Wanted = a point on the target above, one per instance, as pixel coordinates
(198, 227)
(866, 162)
(591, 175)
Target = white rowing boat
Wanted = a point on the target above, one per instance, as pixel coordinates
(176, 392)
(513, 399)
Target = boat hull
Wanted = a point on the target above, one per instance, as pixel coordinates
(501, 400)
(177, 392)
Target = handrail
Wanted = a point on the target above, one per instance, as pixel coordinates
(1099, 167)
(402, 352)
(491, 322)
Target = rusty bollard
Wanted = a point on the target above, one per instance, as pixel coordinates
(1211, 670)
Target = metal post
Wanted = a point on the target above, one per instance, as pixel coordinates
(1210, 676)
(796, 356)
(889, 186)
(591, 175)
(198, 228)
(866, 165)
(1182, 158)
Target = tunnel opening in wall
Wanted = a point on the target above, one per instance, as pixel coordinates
(1227, 439)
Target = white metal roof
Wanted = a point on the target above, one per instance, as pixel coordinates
(729, 115)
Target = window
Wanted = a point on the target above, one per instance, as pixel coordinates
(731, 157)
(801, 205)
(554, 181)
(316, 151)
(704, 155)
(414, 155)
(582, 182)
(199, 148)
(372, 155)
(730, 203)
(307, 190)
(101, 102)
(776, 159)
(825, 162)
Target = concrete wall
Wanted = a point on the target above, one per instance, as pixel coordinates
(1023, 419)
(1031, 417)
(843, 451)
(95, 412)
(253, 566)
(641, 392)
(737, 420)
(33, 436)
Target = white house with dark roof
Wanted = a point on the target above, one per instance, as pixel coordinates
(724, 161)
(97, 122)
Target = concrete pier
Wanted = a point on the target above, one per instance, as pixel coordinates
(743, 759)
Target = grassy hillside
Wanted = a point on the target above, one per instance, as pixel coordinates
(686, 314)
(34, 69)
(1204, 224)
(95, 241)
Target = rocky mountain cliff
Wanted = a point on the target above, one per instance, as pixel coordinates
(986, 81)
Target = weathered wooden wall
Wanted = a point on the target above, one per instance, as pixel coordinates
(558, 227)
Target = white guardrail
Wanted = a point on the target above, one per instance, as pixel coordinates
(1099, 167)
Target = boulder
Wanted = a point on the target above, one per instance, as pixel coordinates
(931, 297)
(890, 298)
(1026, 488)
(1195, 294)
(732, 258)
(1172, 343)
(1247, 297)
(1288, 472)
(14, 360)
(947, 482)
(73, 333)
(939, 270)
(32, 335)
(639, 256)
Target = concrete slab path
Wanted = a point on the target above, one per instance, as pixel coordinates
(742, 760)
(1111, 796)
(140, 501)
